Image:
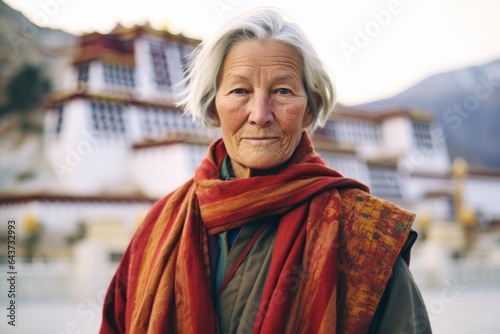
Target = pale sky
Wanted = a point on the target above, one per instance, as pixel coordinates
(374, 49)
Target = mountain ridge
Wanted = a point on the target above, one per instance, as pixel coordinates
(466, 103)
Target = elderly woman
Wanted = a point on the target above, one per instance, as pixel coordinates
(265, 238)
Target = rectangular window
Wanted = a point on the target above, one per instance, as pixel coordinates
(119, 75)
(384, 181)
(159, 64)
(108, 117)
(83, 72)
(357, 132)
(422, 135)
(348, 165)
(157, 122)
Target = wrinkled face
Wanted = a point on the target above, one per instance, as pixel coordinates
(261, 105)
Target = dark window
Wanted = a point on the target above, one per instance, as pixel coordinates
(83, 72)
(119, 75)
(115, 256)
(384, 181)
(422, 135)
(357, 132)
(159, 122)
(159, 64)
(108, 117)
(59, 117)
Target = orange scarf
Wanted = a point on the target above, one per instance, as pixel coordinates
(334, 251)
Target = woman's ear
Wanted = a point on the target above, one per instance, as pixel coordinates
(212, 112)
(308, 117)
(311, 109)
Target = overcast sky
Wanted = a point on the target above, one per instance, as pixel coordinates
(373, 48)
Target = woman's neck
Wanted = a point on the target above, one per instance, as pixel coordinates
(241, 172)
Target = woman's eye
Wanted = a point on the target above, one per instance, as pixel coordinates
(283, 91)
(239, 91)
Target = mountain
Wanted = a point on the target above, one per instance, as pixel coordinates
(23, 42)
(24, 45)
(467, 104)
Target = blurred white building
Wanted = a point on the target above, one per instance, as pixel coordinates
(114, 143)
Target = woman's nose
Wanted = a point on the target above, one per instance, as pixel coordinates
(261, 110)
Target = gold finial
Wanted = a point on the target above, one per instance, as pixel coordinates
(460, 168)
(31, 224)
(165, 26)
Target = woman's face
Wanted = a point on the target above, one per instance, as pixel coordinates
(261, 105)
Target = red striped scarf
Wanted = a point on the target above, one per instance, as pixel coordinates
(333, 255)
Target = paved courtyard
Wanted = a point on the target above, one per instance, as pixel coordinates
(453, 310)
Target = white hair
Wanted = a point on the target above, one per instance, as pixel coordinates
(263, 24)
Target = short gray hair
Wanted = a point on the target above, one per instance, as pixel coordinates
(262, 24)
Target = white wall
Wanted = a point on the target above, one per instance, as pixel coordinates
(96, 77)
(396, 135)
(483, 194)
(144, 74)
(435, 160)
(146, 86)
(134, 122)
(86, 161)
(161, 169)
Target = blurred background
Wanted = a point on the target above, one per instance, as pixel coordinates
(90, 138)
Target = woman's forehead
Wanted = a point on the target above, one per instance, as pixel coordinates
(250, 55)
